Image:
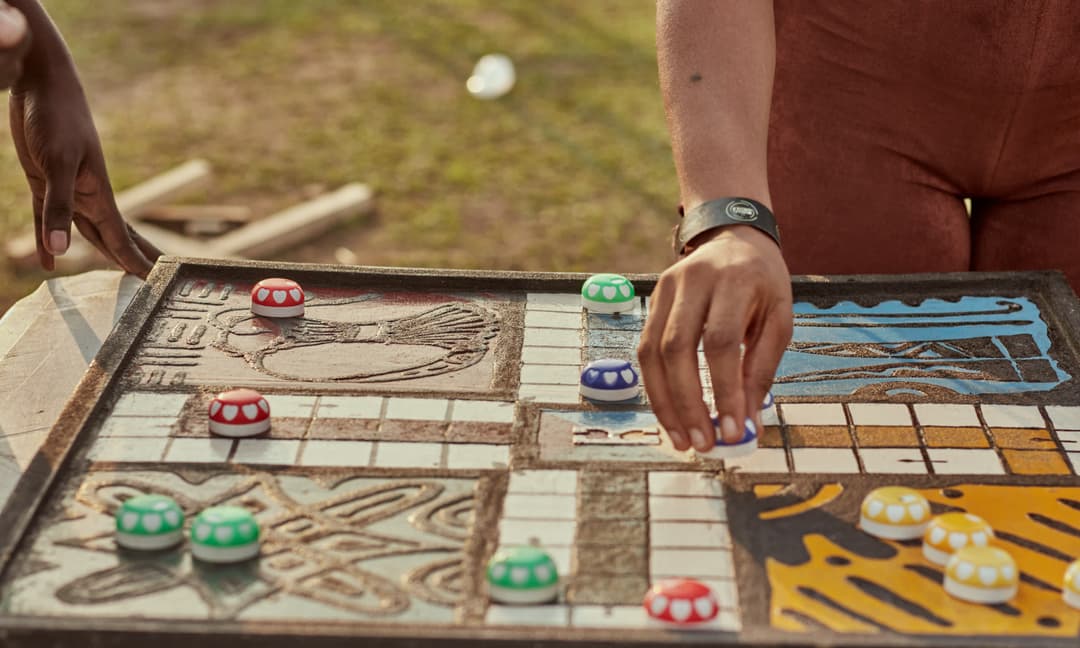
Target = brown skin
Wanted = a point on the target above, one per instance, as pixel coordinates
(60, 152)
(14, 43)
(732, 287)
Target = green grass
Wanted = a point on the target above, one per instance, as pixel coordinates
(571, 171)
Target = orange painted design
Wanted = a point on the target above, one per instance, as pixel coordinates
(821, 589)
(767, 490)
(825, 494)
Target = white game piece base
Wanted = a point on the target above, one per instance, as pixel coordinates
(1071, 598)
(893, 531)
(732, 451)
(979, 594)
(278, 311)
(237, 430)
(149, 543)
(936, 556)
(523, 597)
(224, 554)
(610, 395)
(606, 308)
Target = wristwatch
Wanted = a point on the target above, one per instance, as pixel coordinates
(723, 212)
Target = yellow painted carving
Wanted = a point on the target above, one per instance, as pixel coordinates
(825, 494)
(767, 490)
(1013, 511)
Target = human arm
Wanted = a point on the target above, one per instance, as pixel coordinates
(716, 60)
(61, 155)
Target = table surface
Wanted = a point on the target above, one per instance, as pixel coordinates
(423, 419)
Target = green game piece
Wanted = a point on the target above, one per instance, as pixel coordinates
(523, 576)
(149, 523)
(608, 293)
(225, 534)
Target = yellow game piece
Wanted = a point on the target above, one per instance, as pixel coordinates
(950, 532)
(1070, 590)
(982, 575)
(894, 513)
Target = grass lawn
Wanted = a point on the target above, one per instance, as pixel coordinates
(571, 171)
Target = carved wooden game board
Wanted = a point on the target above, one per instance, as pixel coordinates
(422, 419)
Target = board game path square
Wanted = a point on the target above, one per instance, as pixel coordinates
(345, 429)
(408, 455)
(770, 437)
(351, 407)
(621, 482)
(266, 451)
(1074, 459)
(558, 302)
(149, 404)
(689, 534)
(336, 453)
(946, 415)
(694, 484)
(1036, 462)
(955, 437)
(128, 449)
(817, 436)
(562, 482)
(699, 509)
(1012, 416)
(824, 460)
(552, 319)
(966, 461)
(475, 432)
(1026, 439)
(557, 616)
(1070, 440)
(704, 563)
(813, 414)
(617, 616)
(533, 355)
(611, 559)
(1064, 417)
(555, 533)
(289, 405)
(398, 430)
(880, 414)
(886, 437)
(614, 532)
(543, 507)
(762, 460)
(417, 409)
(599, 353)
(463, 456)
(213, 450)
(893, 460)
(607, 589)
(137, 426)
(551, 374)
(598, 506)
(546, 337)
(482, 411)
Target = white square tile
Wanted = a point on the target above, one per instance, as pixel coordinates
(529, 506)
(880, 414)
(188, 450)
(353, 407)
(824, 460)
(137, 426)
(318, 452)
(685, 483)
(123, 449)
(695, 509)
(965, 461)
(389, 454)
(482, 456)
(763, 460)
(528, 615)
(727, 593)
(556, 533)
(893, 460)
(1013, 416)
(561, 482)
(548, 337)
(551, 356)
(946, 415)
(561, 394)
(1065, 417)
(614, 616)
(552, 319)
(417, 409)
(770, 416)
(813, 414)
(563, 302)
(689, 534)
(1070, 440)
(267, 451)
(149, 404)
(1074, 459)
(482, 411)
(561, 557)
(551, 375)
(291, 405)
(703, 563)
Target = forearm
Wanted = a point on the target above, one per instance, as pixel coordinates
(716, 60)
(48, 55)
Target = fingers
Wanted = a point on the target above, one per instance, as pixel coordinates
(679, 346)
(146, 247)
(117, 238)
(652, 365)
(763, 354)
(724, 331)
(13, 28)
(59, 205)
(44, 258)
(90, 233)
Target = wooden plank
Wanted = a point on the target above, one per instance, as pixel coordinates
(200, 213)
(294, 225)
(132, 203)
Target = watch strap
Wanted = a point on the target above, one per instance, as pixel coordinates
(723, 212)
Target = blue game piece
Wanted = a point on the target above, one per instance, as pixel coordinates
(609, 380)
(744, 447)
(768, 402)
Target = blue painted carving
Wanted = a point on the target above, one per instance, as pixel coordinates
(615, 421)
(971, 346)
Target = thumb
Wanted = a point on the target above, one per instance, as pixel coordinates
(12, 26)
(56, 214)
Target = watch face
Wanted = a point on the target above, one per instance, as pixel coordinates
(741, 211)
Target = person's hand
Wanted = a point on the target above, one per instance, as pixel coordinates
(14, 43)
(61, 155)
(733, 289)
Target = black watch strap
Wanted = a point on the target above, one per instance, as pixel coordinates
(721, 213)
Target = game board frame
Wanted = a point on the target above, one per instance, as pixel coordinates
(99, 387)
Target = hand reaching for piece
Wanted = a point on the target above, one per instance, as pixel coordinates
(61, 155)
(733, 289)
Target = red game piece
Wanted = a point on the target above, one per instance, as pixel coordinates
(682, 601)
(239, 413)
(277, 298)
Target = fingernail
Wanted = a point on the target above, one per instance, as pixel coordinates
(12, 27)
(678, 439)
(697, 438)
(728, 429)
(58, 242)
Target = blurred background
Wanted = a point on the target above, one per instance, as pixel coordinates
(570, 171)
